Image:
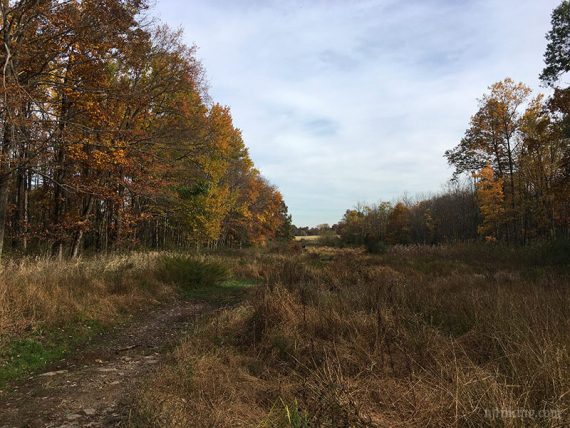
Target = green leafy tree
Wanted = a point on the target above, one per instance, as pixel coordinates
(557, 55)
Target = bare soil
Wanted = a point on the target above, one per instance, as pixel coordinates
(94, 386)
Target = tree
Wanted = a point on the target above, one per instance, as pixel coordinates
(351, 227)
(557, 55)
(109, 138)
(398, 227)
(491, 202)
(557, 62)
(494, 139)
(543, 148)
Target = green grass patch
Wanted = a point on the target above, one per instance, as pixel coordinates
(25, 356)
(286, 415)
(224, 293)
(22, 357)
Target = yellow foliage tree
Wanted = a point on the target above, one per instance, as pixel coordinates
(491, 202)
(399, 224)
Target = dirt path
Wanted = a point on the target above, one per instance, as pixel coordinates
(92, 387)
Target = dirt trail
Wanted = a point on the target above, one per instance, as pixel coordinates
(92, 388)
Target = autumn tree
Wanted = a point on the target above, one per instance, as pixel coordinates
(494, 139)
(351, 227)
(491, 202)
(30, 33)
(398, 227)
(541, 171)
(516, 151)
(110, 140)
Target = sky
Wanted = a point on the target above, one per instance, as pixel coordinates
(346, 101)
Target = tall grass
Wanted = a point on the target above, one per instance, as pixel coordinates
(40, 293)
(419, 336)
(48, 307)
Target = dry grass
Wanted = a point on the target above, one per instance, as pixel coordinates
(43, 293)
(416, 337)
(308, 238)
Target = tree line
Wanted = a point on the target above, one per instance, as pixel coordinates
(512, 169)
(449, 216)
(109, 139)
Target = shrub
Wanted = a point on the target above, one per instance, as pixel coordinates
(374, 246)
(556, 252)
(329, 239)
(189, 273)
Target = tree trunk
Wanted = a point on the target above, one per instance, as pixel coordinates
(4, 192)
(59, 172)
(78, 238)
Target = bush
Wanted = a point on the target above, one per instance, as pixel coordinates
(374, 246)
(556, 252)
(190, 273)
(329, 240)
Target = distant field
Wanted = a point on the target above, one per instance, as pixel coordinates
(307, 238)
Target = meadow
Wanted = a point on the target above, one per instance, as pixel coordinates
(463, 335)
(457, 335)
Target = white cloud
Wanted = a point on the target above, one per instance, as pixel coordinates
(341, 101)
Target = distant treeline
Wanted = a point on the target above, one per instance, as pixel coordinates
(109, 139)
(512, 169)
(448, 217)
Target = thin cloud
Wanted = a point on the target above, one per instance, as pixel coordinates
(343, 101)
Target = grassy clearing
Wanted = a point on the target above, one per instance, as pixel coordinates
(327, 239)
(222, 294)
(419, 336)
(308, 238)
(35, 295)
(207, 279)
(48, 308)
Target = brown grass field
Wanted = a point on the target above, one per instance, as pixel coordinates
(463, 335)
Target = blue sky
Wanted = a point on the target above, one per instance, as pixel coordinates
(343, 101)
